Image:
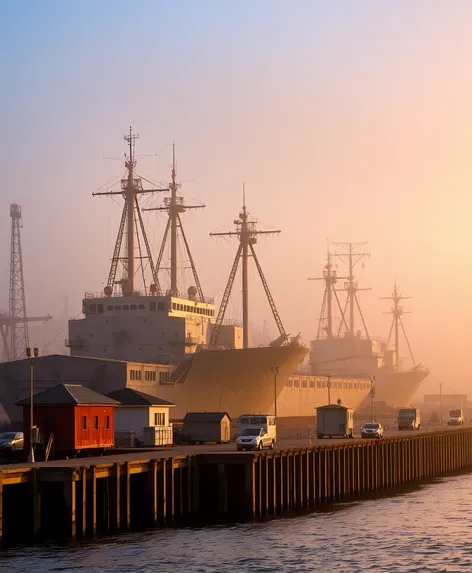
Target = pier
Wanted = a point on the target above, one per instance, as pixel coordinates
(79, 498)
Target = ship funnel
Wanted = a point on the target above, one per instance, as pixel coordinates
(192, 292)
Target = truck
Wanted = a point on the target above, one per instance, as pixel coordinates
(456, 417)
(408, 419)
(256, 431)
(334, 421)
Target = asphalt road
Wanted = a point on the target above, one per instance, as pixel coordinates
(287, 439)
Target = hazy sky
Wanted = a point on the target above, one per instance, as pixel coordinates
(348, 120)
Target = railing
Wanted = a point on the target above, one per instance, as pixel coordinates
(175, 294)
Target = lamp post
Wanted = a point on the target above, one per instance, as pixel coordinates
(372, 394)
(440, 402)
(275, 371)
(30, 358)
(328, 385)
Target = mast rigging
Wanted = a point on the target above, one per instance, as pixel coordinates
(247, 234)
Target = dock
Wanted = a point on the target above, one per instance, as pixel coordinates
(80, 498)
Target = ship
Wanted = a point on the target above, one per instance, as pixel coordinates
(351, 352)
(213, 366)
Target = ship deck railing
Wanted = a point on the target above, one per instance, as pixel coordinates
(176, 294)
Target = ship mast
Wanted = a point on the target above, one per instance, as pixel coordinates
(247, 234)
(131, 188)
(351, 258)
(175, 205)
(330, 278)
(396, 311)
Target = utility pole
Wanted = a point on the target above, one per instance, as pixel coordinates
(351, 258)
(32, 429)
(397, 311)
(275, 371)
(372, 395)
(440, 402)
(328, 385)
(247, 234)
(175, 205)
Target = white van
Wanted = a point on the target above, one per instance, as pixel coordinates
(256, 431)
(456, 417)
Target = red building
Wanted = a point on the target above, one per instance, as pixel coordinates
(78, 418)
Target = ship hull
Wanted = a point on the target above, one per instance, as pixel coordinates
(242, 381)
(398, 389)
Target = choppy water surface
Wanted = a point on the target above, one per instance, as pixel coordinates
(426, 530)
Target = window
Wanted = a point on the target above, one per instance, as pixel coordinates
(100, 308)
(141, 306)
(134, 307)
(95, 422)
(84, 423)
(107, 422)
(109, 308)
(126, 307)
(118, 307)
(160, 306)
(296, 383)
(92, 308)
(152, 306)
(312, 383)
(174, 306)
(304, 383)
(159, 419)
(289, 382)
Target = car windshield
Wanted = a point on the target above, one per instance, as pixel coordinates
(455, 413)
(8, 436)
(372, 426)
(251, 432)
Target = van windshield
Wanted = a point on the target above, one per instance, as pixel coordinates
(251, 432)
(455, 413)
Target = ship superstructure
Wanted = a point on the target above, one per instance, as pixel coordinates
(347, 351)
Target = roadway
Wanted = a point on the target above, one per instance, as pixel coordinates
(288, 439)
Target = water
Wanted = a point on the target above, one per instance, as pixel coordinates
(426, 530)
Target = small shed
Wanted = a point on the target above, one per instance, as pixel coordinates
(334, 420)
(208, 427)
(145, 415)
(77, 417)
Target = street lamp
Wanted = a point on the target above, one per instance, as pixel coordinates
(275, 371)
(440, 402)
(372, 394)
(30, 358)
(328, 385)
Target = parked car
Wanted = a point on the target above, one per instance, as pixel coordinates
(11, 441)
(372, 430)
(256, 431)
(456, 417)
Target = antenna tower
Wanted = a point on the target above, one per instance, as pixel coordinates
(175, 205)
(351, 258)
(247, 234)
(330, 278)
(397, 311)
(14, 325)
(132, 221)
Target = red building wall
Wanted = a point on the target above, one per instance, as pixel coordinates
(66, 423)
(94, 437)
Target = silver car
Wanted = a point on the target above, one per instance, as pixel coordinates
(11, 441)
(372, 430)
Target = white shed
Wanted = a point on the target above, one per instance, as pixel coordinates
(137, 411)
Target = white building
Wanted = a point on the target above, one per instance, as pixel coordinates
(143, 414)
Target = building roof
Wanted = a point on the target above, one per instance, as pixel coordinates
(131, 397)
(205, 416)
(68, 394)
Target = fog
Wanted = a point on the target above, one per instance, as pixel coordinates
(346, 121)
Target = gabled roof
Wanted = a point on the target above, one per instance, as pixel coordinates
(131, 397)
(68, 394)
(205, 416)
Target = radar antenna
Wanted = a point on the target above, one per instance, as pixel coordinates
(175, 205)
(247, 234)
(132, 221)
(397, 311)
(351, 258)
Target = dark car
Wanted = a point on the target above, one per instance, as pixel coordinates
(11, 441)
